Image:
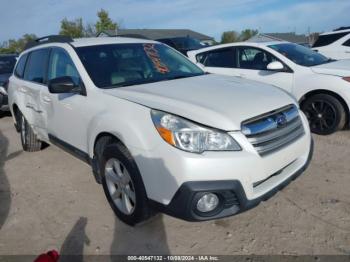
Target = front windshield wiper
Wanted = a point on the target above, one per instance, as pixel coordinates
(180, 76)
(147, 81)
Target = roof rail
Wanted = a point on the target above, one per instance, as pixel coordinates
(48, 39)
(342, 28)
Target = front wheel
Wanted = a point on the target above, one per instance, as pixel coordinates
(123, 185)
(325, 113)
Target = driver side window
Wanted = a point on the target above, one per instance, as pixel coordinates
(254, 58)
(62, 65)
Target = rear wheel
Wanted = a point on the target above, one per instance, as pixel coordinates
(30, 142)
(123, 185)
(325, 113)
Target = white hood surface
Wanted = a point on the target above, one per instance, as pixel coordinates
(338, 68)
(218, 101)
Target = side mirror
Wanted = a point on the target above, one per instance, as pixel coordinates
(275, 66)
(64, 84)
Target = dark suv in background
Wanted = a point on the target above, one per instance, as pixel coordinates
(7, 63)
(182, 44)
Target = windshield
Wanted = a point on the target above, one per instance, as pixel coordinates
(7, 63)
(300, 55)
(120, 65)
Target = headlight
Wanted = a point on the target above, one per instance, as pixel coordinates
(191, 137)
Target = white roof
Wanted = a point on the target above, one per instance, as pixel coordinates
(336, 32)
(79, 42)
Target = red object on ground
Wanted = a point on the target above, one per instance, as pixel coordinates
(51, 256)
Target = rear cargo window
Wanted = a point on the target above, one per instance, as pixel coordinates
(347, 43)
(324, 40)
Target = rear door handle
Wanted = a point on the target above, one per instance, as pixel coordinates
(23, 89)
(348, 52)
(47, 99)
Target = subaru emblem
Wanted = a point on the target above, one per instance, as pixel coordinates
(281, 120)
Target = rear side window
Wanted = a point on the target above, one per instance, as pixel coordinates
(347, 43)
(36, 66)
(219, 58)
(324, 40)
(19, 71)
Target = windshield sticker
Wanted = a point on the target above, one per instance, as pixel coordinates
(153, 54)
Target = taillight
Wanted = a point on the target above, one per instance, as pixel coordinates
(347, 78)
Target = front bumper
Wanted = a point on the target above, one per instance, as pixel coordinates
(231, 192)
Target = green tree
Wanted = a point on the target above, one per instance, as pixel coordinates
(229, 37)
(74, 28)
(104, 22)
(16, 46)
(247, 34)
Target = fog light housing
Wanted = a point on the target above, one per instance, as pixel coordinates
(208, 203)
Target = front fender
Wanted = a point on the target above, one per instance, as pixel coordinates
(133, 127)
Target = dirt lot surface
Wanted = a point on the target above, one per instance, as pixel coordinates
(50, 200)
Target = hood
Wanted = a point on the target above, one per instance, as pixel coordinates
(337, 68)
(218, 101)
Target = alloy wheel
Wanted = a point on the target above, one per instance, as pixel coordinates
(23, 129)
(120, 186)
(321, 115)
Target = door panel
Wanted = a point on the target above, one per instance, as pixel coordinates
(67, 118)
(252, 64)
(32, 88)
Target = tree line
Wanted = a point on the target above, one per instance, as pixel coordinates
(234, 36)
(75, 28)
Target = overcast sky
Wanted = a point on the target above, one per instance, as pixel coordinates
(43, 17)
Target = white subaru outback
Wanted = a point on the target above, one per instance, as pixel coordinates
(159, 133)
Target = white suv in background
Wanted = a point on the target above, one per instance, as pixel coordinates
(335, 44)
(321, 85)
(159, 133)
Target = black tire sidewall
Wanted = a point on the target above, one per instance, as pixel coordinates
(24, 143)
(141, 210)
(339, 110)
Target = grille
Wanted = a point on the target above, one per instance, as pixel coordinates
(275, 130)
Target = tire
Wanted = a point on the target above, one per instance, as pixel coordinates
(123, 185)
(30, 142)
(325, 113)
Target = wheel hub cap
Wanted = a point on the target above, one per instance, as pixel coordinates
(120, 186)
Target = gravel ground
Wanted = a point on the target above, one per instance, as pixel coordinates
(50, 200)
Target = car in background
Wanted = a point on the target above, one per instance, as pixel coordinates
(159, 133)
(335, 44)
(7, 63)
(182, 44)
(321, 85)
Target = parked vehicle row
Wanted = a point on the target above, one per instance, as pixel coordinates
(7, 63)
(321, 85)
(159, 133)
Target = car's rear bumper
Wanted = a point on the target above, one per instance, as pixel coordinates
(231, 193)
(3, 99)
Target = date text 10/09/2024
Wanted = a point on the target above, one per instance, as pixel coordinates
(173, 258)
